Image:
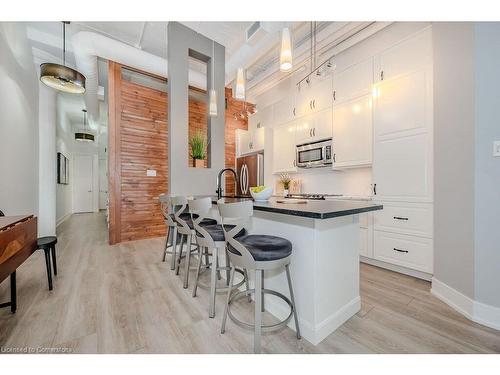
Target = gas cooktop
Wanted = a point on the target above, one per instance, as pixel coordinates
(312, 196)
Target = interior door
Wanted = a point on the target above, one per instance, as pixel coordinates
(83, 194)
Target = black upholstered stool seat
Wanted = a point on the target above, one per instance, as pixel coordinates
(217, 233)
(264, 247)
(184, 216)
(203, 222)
(46, 242)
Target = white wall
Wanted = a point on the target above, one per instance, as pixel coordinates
(487, 167)
(454, 155)
(47, 161)
(356, 181)
(64, 144)
(18, 122)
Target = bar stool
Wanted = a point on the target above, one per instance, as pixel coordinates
(258, 253)
(186, 230)
(48, 245)
(211, 240)
(172, 236)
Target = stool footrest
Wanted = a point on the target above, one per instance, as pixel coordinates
(251, 327)
(222, 289)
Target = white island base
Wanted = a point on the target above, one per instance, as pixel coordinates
(324, 268)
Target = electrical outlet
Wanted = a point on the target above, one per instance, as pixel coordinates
(151, 173)
(496, 148)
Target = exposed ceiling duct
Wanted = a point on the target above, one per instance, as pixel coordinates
(88, 46)
(249, 53)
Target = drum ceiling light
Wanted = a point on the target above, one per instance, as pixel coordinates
(61, 77)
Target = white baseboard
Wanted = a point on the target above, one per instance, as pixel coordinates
(316, 334)
(393, 267)
(63, 219)
(476, 311)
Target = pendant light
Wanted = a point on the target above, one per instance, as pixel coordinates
(61, 77)
(239, 92)
(213, 95)
(286, 51)
(84, 136)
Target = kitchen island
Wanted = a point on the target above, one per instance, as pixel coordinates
(325, 260)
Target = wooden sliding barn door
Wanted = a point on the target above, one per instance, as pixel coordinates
(137, 144)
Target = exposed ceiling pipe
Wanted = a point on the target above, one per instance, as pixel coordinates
(88, 46)
(247, 55)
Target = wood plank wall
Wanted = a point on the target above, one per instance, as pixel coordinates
(138, 140)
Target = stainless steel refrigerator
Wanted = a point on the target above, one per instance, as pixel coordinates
(250, 171)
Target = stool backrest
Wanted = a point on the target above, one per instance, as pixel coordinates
(199, 210)
(239, 214)
(166, 209)
(1, 213)
(179, 204)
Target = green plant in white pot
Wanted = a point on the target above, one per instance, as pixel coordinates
(285, 180)
(198, 143)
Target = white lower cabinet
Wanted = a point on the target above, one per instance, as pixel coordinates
(403, 250)
(406, 218)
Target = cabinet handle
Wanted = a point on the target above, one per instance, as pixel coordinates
(314, 103)
(334, 158)
(401, 251)
(294, 111)
(310, 132)
(400, 218)
(310, 104)
(374, 189)
(381, 75)
(314, 132)
(294, 163)
(250, 145)
(334, 93)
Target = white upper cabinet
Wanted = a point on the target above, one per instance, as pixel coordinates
(284, 110)
(352, 82)
(352, 132)
(254, 120)
(284, 147)
(264, 117)
(249, 141)
(257, 139)
(402, 121)
(314, 97)
(314, 127)
(407, 56)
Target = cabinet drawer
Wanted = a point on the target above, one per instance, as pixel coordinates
(407, 218)
(407, 251)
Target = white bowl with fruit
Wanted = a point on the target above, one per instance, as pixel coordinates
(261, 193)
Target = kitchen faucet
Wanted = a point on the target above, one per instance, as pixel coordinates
(219, 181)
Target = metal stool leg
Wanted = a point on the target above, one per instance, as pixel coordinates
(229, 290)
(47, 265)
(54, 262)
(169, 234)
(188, 260)
(258, 311)
(247, 284)
(179, 258)
(213, 282)
(195, 288)
(297, 329)
(263, 287)
(227, 265)
(174, 248)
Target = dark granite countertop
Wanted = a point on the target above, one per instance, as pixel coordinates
(315, 209)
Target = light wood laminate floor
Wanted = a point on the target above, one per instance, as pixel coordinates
(123, 299)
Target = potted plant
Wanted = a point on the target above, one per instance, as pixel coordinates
(285, 180)
(198, 145)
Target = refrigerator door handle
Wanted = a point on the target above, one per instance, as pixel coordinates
(242, 170)
(246, 179)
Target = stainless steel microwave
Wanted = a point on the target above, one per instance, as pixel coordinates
(314, 154)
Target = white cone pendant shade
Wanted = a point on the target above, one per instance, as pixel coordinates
(239, 92)
(212, 103)
(286, 51)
